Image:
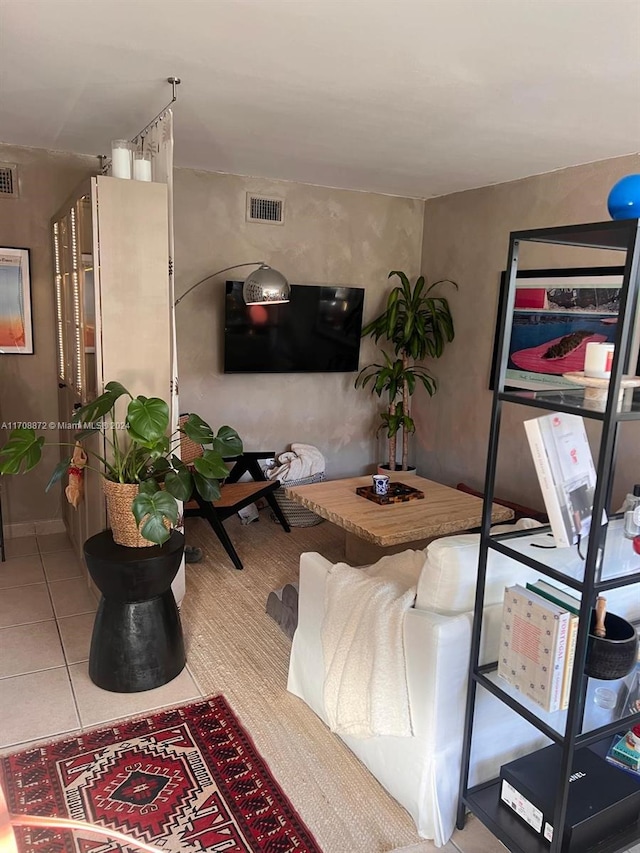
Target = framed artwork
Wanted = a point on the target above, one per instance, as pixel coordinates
(16, 331)
(556, 313)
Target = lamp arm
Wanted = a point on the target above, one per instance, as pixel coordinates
(65, 823)
(213, 274)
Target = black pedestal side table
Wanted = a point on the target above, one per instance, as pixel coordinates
(137, 641)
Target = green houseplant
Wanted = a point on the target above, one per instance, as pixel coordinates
(418, 325)
(389, 378)
(140, 454)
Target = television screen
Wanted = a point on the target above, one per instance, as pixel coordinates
(317, 331)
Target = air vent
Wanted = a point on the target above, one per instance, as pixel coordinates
(8, 180)
(262, 209)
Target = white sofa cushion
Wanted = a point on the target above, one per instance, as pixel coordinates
(447, 583)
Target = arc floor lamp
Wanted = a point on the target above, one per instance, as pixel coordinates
(264, 286)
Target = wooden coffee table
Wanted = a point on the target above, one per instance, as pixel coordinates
(373, 530)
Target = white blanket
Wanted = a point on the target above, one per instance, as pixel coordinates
(365, 687)
(303, 460)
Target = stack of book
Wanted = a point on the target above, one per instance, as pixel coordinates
(538, 642)
(624, 752)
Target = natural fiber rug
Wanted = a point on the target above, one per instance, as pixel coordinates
(184, 779)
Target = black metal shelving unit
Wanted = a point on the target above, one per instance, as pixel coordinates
(600, 570)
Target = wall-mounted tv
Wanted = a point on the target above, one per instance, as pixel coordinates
(317, 331)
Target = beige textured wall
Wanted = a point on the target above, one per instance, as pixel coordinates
(28, 385)
(329, 237)
(466, 238)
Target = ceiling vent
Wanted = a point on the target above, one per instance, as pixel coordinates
(263, 209)
(8, 180)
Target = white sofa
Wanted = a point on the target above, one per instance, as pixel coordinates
(423, 772)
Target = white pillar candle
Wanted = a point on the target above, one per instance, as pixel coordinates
(141, 168)
(598, 360)
(120, 159)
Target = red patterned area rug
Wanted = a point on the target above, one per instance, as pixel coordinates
(186, 779)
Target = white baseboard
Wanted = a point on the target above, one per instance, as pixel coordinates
(34, 528)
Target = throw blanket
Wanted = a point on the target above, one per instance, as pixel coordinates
(303, 460)
(365, 687)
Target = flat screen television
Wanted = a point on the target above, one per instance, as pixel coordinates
(317, 331)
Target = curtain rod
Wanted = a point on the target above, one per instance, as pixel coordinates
(175, 81)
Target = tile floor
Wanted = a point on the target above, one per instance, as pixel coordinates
(46, 618)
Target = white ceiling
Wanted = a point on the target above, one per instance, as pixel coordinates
(408, 97)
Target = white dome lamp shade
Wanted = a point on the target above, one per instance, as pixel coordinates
(265, 286)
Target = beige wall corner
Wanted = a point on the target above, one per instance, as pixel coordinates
(466, 239)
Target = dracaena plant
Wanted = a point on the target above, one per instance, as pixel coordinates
(418, 326)
(389, 378)
(138, 450)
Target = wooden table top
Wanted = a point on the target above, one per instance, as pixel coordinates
(442, 511)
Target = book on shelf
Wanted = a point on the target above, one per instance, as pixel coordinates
(557, 595)
(533, 646)
(564, 465)
(572, 636)
(572, 604)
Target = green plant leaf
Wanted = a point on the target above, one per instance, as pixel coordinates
(116, 389)
(211, 465)
(154, 447)
(148, 487)
(208, 489)
(58, 473)
(159, 467)
(22, 450)
(197, 430)
(154, 530)
(99, 407)
(227, 442)
(154, 508)
(148, 418)
(179, 483)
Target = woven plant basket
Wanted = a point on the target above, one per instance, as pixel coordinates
(295, 513)
(121, 519)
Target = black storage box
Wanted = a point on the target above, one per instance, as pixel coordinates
(602, 798)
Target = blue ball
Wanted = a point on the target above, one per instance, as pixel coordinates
(624, 198)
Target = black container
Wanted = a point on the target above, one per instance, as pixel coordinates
(602, 799)
(137, 641)
(614, 655)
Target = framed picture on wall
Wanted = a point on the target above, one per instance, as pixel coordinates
(556, 313)
(16, 330)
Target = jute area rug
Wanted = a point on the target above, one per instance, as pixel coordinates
(188, 778)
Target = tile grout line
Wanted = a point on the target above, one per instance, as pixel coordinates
(64, 653)
(33, 671)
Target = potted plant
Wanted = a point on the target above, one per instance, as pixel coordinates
(140, 470)
(389, 378)
(418, 326)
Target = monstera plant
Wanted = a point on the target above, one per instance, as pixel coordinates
(417, 324)
(139, 452)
